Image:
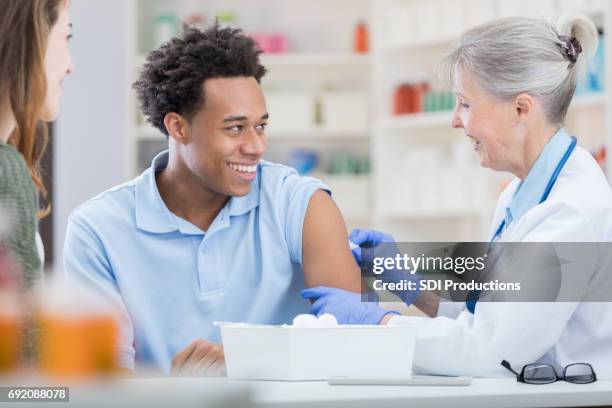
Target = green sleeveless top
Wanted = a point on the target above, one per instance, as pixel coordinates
(19, 202)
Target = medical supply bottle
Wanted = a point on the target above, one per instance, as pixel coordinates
(360, 40)
(79, 332)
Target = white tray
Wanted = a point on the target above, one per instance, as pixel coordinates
(287, 353)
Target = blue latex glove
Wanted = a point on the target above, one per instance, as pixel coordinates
(372, 239)
(364, 237)
(346, 306)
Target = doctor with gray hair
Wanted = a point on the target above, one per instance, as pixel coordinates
(514, 79)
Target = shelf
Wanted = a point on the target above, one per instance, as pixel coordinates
(431, 214)
(403, 46)
(397, 123)
(304, 60)
(435, 119)
(319, 135)
(315, 60)
(418, 120)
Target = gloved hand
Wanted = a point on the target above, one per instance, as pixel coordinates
(347, 307)
(367, 238)
(364, 256)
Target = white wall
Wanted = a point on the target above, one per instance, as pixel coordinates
(89, 151)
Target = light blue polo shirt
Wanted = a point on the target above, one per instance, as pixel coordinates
(172, 280)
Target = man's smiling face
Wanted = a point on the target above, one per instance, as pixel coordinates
(228, 135)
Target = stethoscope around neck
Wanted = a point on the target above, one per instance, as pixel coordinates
(549, 186)
(473, 295)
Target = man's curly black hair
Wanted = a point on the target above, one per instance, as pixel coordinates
(172, 77)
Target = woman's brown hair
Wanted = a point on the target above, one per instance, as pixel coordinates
(24, 29)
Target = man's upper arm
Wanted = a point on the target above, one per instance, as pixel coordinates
(84, 258)
(86, 263)
(326, 257)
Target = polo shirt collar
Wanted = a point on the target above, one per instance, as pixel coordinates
(152, 215)
(529, 192)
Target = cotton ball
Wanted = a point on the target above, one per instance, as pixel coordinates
(327, 320)
(305, 320)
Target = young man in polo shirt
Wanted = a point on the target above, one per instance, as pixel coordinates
(210, 232)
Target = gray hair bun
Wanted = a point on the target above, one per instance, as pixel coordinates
(577, 34)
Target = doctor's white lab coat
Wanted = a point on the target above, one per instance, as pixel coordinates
(457, 342)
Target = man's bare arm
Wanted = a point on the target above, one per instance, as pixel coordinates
(326, 257)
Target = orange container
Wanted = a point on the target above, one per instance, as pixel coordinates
(360, 42)
(11, 341)
(103, 337)
(404, 99)
(409, 98)
(77, 346)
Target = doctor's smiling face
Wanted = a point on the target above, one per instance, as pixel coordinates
(489, 122)
(226, 138)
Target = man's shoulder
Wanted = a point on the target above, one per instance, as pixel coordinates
(276, 177)
(272, 171)
(113, 204)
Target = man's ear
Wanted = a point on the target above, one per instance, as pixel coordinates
(524, 105)
(178, 127)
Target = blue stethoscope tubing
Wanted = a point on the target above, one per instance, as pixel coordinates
(473, 296)
(551, 182)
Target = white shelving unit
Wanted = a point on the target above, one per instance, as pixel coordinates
(411, 51)
(321, 73)
(320, 64)
(445, 195)
(443, 119)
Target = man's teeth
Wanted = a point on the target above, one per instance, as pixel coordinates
(243, 169)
